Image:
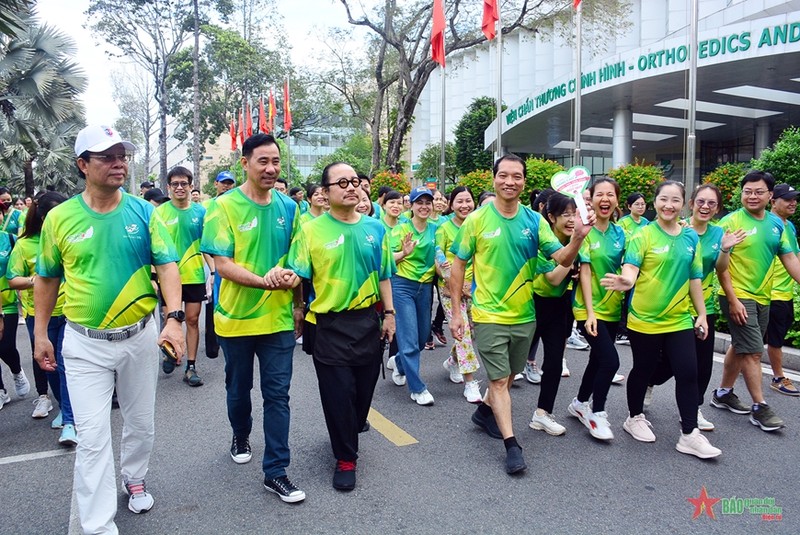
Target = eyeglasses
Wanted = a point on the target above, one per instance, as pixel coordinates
(756, 192)
(112, 158)
(343, 182)
(177, 185)
(703, 202)
(568, 215)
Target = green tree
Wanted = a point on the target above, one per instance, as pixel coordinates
(10, 20)
(470, 154)
(539, 172)
(639, 176)
(430, 158)
(727, 177)
(356, 152)
(782, 158)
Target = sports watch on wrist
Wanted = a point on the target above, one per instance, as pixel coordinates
(179, 315)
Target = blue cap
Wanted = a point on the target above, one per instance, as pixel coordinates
(225, 175)
(416, 193)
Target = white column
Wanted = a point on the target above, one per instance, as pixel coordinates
(762, 138)
(622, 137)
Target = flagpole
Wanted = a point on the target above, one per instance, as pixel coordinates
(576, 155)
(288, 141)
(499, 140)
(442, 164)
(691, 137)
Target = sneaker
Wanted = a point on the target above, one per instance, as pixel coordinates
(648, 396)
(784, 385)
(580, 410)
(532, 373)
(729, 401)
(21, 384)
(285, 489)
(546, 423)
(695, 443)
(639, 428)
(519, 377)
(618, 378)
(398, 378)
(598, 426)
(68, 436)
(390, 362)
(472, 391)
(58, 421)
(452, 369)
(168, 365)
(765, 418)
(573, 342)
(139, 500)
(4, 397)
(240, 450)
(299, 341)
(191, 377)
(622, 340)
(439, 335)
(422, 398)
(487, 423)
(702, 423)
(42, 406)
(515, 462)
(564, 369)
(430, 346)
(344, 476)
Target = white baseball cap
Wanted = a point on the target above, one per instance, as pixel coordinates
(97, 138)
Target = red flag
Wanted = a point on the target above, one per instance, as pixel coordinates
(287, 110)
(233, 136)
(249, 121)
(437, 34)
(241, 127)
(262, 117)
(575, 4)
(490, 17)
(271, 111)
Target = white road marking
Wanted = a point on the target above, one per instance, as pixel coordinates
(35, 456)
(766, 370)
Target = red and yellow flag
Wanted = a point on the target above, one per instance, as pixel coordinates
(437, 35)
(490, 17)
(271, 119)
(287, 109)
(241, 127)
(262, 117)
(233, 136)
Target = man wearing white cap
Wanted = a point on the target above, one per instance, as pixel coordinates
(103, 243)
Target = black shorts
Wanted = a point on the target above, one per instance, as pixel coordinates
(781, 316)
(190, 293)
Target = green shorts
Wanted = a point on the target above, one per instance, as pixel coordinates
(747, 338)
(503, 349)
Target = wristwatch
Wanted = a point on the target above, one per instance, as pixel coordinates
(389, 311)
(179, 315)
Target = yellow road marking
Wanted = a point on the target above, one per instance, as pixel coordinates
(385, 427)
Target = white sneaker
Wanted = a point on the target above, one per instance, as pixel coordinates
(575, 342)
(390, 362)
(299, 341)
(639, 428)
(532, 373)
(564, 369)
(397, 378)
(598, 426)
(423, 398)
(618, 378)
(472, 391)
(702, 423)
(21, 384)
(139, 500)
(580, 410)
(648, 396)
(4, 397)
(452, 369)
(518, 377)
(42, 406)
(546, 423)
(695, 443)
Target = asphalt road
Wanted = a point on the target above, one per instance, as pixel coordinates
(450, 481)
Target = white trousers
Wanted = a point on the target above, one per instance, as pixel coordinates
(93, 368)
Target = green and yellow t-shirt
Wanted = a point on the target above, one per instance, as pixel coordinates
(9, 296)
(782, 282)
(504, 253)
(419, 265)
(22, 263)
(445, 238)
(751, 260)
(542, 286)
(345, 262)
(660, 301)
(105, 260)
(629, 225)
(710, 244)
(305, 218)
(257, 238)
(603, 250)
(185, 227)
(377, 211)
(12, 222)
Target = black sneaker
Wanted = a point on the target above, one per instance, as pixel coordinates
(765, 418)
(487, 423)
(285, 489)
(729, 401)
(344, 477)
(622, 340)
(515, 463)
(240, 450)
(168, 365)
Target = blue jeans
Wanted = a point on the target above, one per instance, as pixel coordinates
(274, 352)
(58, 378)
(412, 304)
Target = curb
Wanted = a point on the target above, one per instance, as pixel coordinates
(791, 356)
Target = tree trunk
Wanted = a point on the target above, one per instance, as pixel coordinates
(375, 127)
(27, 170)
(405, 114)
(196, 95)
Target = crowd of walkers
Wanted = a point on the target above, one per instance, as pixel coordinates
(347, 277)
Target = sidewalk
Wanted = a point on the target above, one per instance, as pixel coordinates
(791, 356)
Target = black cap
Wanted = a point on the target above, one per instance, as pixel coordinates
(156, 195)
(784, 191)
(147, 184)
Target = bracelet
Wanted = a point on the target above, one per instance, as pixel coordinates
(724, 251)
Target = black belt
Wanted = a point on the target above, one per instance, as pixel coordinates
(111, 335)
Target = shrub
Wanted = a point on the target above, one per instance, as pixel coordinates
(782, 158)
(396, 181)
(726, 177)
(539, 171)
(478, 181)
(637, 176)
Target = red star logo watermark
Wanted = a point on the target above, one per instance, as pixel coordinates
(703, 503)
